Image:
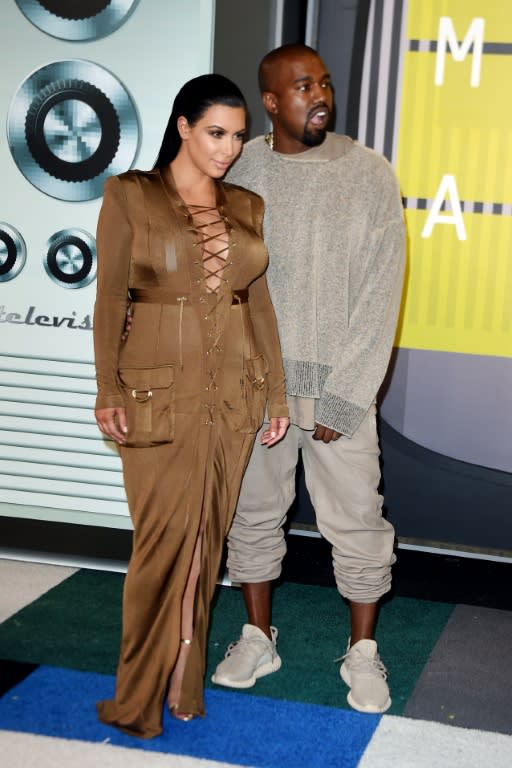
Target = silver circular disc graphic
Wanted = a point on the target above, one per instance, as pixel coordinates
(70, 125)
(72, 131)
(77, 20)
(13, 252)
(70, 258)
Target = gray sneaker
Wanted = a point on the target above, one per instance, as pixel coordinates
(253, 656)
(365, 674)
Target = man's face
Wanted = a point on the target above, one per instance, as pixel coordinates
(300, 102)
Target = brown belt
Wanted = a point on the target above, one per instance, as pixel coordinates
(165, 296)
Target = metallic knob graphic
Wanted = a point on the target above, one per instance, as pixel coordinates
(72, 130)
(77, 19)
(70, 125)
(13, 252)
(70, 258)
(74, 9)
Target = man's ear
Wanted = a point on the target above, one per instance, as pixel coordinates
(183, 127)
(269, 100)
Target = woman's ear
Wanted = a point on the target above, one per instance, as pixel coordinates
(183, 127)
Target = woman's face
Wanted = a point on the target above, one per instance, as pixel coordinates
(215, 141)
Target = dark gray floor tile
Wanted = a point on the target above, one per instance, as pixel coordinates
(468, 678)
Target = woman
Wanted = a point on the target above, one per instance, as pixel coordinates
(184, 396)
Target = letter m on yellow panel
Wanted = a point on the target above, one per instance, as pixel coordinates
(447, 38)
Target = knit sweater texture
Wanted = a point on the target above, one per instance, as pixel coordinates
(334, 229)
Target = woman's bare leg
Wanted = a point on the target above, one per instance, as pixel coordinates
(187, 630)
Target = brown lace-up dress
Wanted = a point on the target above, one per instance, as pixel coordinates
(201, 362)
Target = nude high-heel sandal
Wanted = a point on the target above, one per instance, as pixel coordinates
(185, 717)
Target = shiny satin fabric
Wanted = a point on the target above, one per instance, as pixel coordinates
(168, 487)
(226, 366)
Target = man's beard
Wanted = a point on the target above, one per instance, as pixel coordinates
(313, 138)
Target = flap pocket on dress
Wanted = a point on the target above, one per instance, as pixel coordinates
(245, 408)
(257, 369)
(147, 379)
(149, 403)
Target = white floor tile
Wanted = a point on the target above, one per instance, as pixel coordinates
(21, 583)
(25, 750)
(400, 742)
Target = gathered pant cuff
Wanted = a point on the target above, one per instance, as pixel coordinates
(246, 575)
(367, 593)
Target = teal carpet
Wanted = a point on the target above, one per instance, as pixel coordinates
(77, 625)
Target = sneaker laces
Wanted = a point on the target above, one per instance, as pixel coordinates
(361, 664)
(239, 646)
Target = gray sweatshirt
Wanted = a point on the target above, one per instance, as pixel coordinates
(334, 229)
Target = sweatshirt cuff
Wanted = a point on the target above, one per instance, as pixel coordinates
(341, 415)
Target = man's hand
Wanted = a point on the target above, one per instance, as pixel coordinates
(127, 323)
(325, 434)
(112, 422)
(276, 431)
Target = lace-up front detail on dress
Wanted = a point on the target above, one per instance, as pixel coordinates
(211, 274)
(212, 231)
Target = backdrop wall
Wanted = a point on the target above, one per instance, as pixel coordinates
(421, 82)
(425, 89)
(97, 92)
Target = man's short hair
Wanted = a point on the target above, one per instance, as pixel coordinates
(271, 59)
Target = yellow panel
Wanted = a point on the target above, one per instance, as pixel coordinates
(424, 15)
(456, 98)
(458, 293)
(448, 120)
(457, 296)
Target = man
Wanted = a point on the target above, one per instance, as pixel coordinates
(335, 234)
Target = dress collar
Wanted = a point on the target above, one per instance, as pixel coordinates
(170, 187)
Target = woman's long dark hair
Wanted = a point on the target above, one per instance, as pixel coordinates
(192, 101)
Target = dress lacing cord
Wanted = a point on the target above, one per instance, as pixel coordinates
(212, 264)
(213, 229)
(212, 272)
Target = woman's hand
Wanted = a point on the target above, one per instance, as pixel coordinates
(112, 422)
(276, 431)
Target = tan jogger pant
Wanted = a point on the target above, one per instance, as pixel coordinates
(342, 478)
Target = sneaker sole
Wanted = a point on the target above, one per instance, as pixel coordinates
(265, 669)
(372, 709)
